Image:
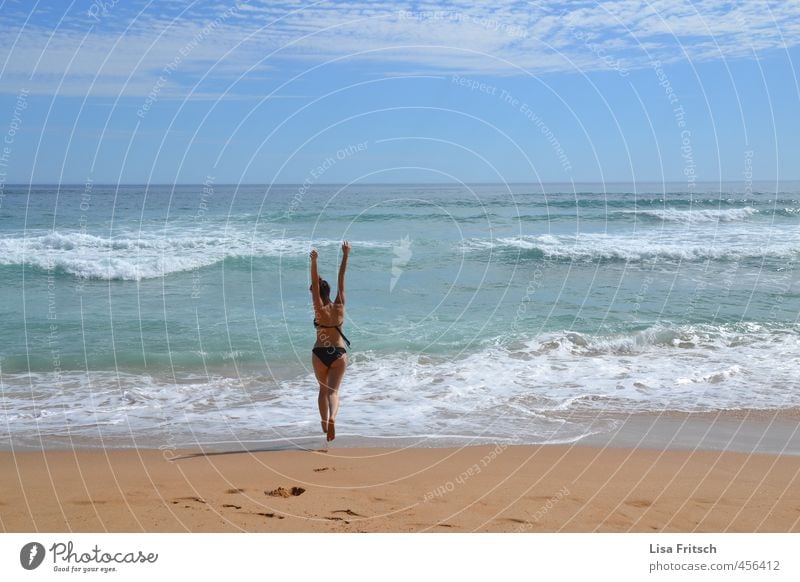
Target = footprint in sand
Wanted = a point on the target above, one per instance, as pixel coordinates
(268, 515)
(231, 505)
(197, 499)
(233, 491)
(348, 512)
(514, 520)
(283, 492)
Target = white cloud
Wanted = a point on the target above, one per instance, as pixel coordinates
(126, 51)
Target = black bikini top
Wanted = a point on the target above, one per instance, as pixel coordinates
(339, 329)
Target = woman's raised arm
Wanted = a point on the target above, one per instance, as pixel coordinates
(315, 281)
(342, 268)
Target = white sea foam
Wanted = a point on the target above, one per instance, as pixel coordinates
(147, 255)
(672, 246)
(531, 390)
(697, 215)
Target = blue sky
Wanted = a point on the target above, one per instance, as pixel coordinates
(261, 91)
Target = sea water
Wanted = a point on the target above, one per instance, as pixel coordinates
(177, 315)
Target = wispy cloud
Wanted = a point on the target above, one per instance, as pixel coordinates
(126, 48)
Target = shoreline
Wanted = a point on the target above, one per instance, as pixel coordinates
(742, 431)
(501, 488)
(774, 432)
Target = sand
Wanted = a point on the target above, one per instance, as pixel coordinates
(484, 488)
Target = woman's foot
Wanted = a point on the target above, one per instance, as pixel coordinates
(331, 430)
(325, 426)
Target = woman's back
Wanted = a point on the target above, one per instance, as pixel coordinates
(328, 319)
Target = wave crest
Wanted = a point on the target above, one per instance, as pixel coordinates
(611, 248)
(143, 257)
(696, 216)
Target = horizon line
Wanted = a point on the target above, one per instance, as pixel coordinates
(477, 183)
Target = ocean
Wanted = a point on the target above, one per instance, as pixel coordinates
(179, 315)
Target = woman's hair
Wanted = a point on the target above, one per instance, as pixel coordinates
(324, 290)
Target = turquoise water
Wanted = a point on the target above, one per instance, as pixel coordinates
(181, 314)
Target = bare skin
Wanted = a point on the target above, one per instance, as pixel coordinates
(329, 313)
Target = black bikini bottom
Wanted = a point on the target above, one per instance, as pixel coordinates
(329, 355)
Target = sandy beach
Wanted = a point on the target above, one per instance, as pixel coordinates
(483, 488)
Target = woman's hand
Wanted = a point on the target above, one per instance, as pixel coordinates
(346, 247)
(314, 254)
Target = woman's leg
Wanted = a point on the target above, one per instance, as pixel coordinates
(335, 376)
(321, 372)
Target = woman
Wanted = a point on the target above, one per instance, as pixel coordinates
(329, 354)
